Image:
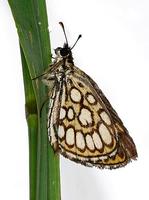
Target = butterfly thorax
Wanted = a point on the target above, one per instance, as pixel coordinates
(61, 67)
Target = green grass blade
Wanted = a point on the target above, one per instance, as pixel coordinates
(31, 22)
(32, 120)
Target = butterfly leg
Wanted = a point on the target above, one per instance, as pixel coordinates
(42, 105)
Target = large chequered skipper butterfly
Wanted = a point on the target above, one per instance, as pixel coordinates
(82, 125)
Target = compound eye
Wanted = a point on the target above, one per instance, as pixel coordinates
(64, 52)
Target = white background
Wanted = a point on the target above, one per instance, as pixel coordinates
(114, 51)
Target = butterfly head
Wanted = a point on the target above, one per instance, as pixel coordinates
(64, 51)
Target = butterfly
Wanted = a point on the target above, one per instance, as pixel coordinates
(82, 124)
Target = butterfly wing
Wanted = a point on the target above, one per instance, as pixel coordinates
(84, 127)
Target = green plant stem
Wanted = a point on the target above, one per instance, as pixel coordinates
(31, 21)
(32, 120)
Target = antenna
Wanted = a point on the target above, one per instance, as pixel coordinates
(76, 41)
(62, 25)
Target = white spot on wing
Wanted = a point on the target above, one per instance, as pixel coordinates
(85, 117)
(89, 142)
(70, 113)
(105, 118)
(75, 95)
(80, 140)
(105, 134)
(70, 136)
(61, 131)
(97, 141)
(103, 157)
(113, 153)
(91, 98)
(62, 113)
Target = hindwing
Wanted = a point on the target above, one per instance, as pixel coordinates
(83, 126)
